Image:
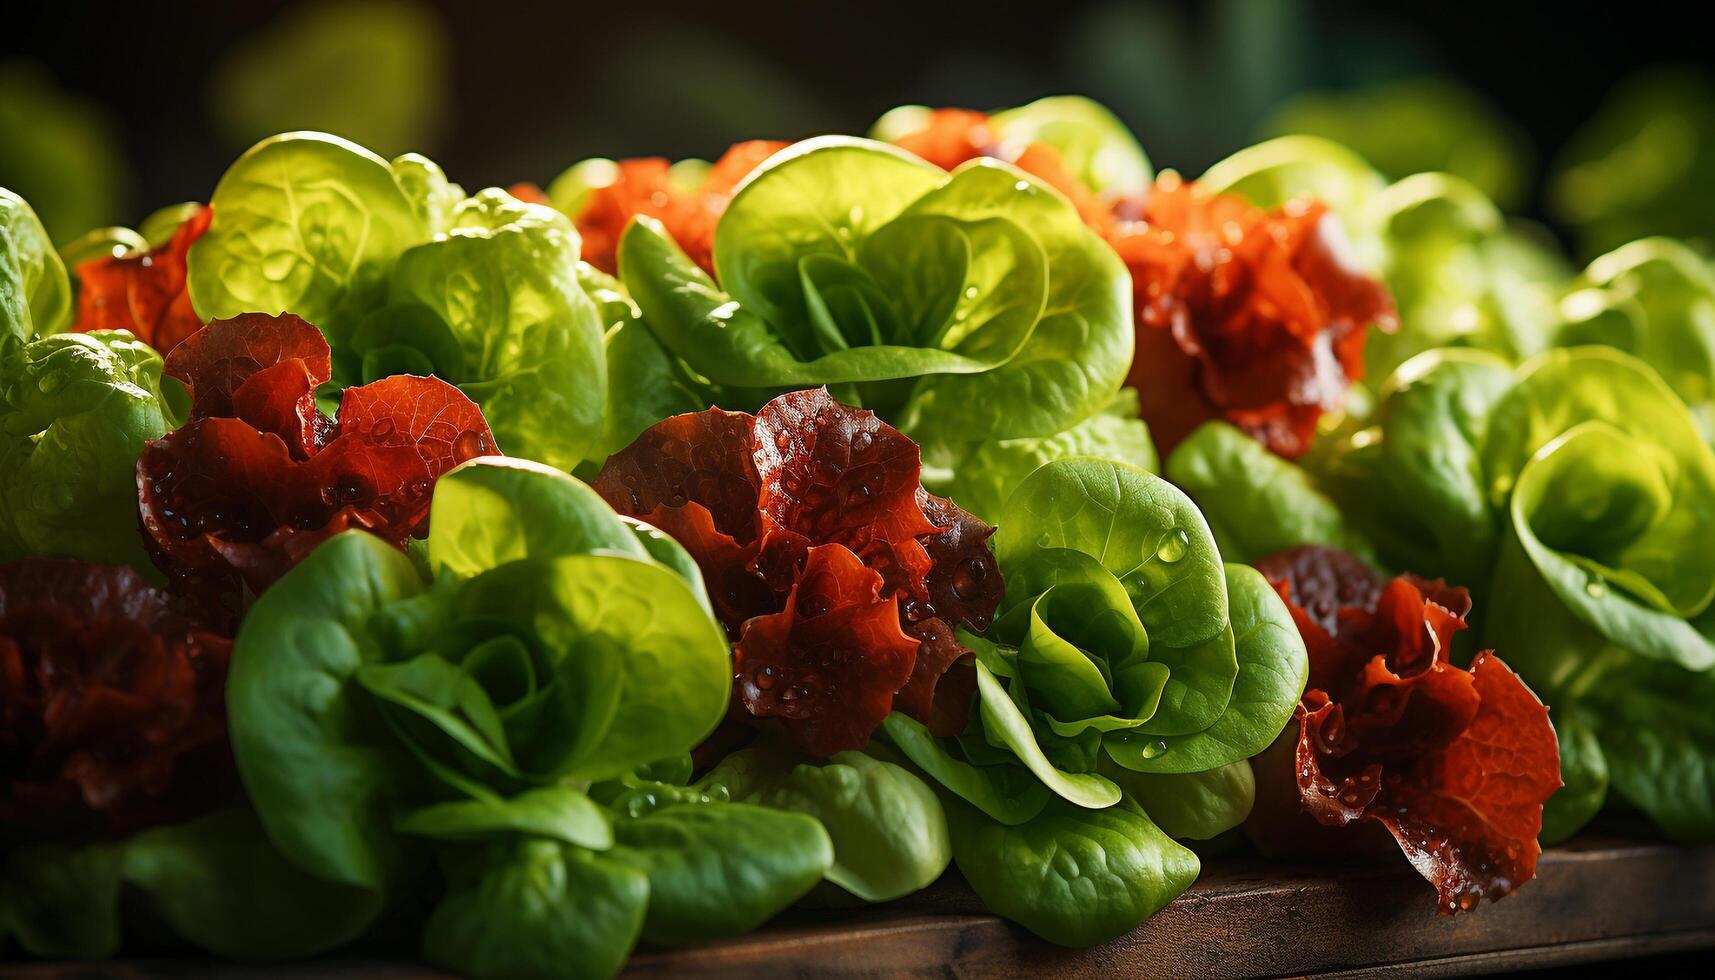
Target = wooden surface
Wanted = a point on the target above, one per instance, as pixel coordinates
(1598, 899)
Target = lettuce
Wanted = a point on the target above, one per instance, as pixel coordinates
(35, 295)
(78, 410)
(379, 715)
(406, 274)
(1126, 663)
(961, 307)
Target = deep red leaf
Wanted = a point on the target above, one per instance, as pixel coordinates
(259, 477)
(1323, 580)
(112, 703)
(1455, 764)
(756, 500)
(827, 664)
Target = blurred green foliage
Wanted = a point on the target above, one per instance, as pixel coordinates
(59, 151)
(1192, 87)
(1417, 125)
(1643, 165)
(372, 71)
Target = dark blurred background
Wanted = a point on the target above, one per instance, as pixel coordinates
(107, 111)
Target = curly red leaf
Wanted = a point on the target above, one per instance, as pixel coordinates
(259, 477)
(1455, 764)
(112, 703)
(143, 293)
(827, 664)
(1248, 315)
(756, 500)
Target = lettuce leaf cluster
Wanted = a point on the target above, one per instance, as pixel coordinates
(1129, 672)
(520, 706)
(960, 307)
(405, 273)
(1575, 494)
(76, 410)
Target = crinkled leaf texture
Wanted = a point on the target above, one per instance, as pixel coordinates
(145, 293)
(1256, 317)
(840, 579)
(77, 410)
(1455, 764)
(964, 307)
(112, 702)
(259, 477)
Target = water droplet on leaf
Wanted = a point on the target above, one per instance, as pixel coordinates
(1173, 545)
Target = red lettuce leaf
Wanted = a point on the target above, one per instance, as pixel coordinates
(258, 477)
(1243, 314)
(112, 703)
(1455, 764)
(782, 511)
(827, 664)
(143, 293)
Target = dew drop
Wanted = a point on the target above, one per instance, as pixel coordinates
(971, 292)
(1595, 588)
(969, 577)
(467, 446)
(763, 678)
(1173, 545)
(382, 429)
(351, 488)
(861, 442)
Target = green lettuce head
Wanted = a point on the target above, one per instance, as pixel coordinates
(1461, 275)
(35, 294)
(1654, 298)
(522, 702)
(961, 307)
(75, 411)
(1128, 671)
(1606, 491)
(405, 273)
